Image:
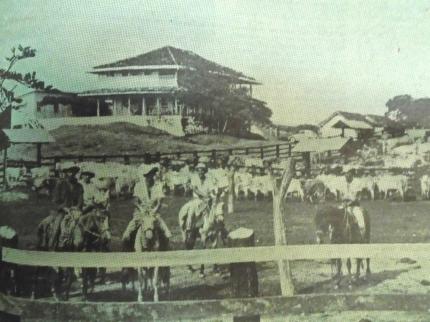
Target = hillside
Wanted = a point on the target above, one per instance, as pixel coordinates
(118, 138)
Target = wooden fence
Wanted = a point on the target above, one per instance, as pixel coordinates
(216, 256)
(281, 150)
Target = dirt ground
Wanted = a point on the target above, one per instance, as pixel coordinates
(392, 222)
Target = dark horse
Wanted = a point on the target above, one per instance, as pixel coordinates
(150, 238)
(78, 233)
(350, 225)
(96, 235)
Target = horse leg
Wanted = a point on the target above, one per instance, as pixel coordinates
(85, 274)
(139, 290)
(367, 266)
(359, 262)
(155, 284)
(202, 271)
(124, 278)
(338, 276)
(348, 266)
(69, 280)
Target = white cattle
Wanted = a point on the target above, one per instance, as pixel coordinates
(387, 183)
(219, 177)
(261, 184)
(335, 185)
(242, 183)
(295, 188)
(425, 186)
(39, 175)
(361, 184)
(14, 176)
(178, 179)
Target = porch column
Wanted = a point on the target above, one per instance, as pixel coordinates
(143, 105)
(129, 106)
(98, 107)
(158, 106)
(176, 107)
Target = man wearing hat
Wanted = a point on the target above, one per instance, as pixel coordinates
(148, 194)
(69, 192)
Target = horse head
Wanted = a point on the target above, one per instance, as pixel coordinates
(148, 236)
(328, 222)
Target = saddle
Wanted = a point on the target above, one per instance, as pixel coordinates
(67, 227)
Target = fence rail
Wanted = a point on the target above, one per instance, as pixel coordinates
(216, 256)
(273, 150)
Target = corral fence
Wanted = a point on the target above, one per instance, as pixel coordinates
(219, 310)
(282, 150)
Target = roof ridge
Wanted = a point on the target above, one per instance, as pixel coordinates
(171, 55)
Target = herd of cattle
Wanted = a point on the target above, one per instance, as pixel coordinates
(250, 180)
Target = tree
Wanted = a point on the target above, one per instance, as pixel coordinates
(408, 111)
(10, 79)
(220, 107)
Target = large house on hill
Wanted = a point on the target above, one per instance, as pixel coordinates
(353, 125)
(146, 90)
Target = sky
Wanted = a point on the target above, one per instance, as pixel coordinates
(312, 57)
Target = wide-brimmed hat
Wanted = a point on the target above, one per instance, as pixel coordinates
(201, 165)
(73, 169)
(88, 174)
(145, 169)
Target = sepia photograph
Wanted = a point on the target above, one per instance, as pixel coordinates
(214, 161)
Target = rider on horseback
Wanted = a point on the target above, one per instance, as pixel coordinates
(68, 193)
(351, 203)
(148, 194)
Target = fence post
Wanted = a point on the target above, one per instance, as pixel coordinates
(39, 154)
(5, 184)
(230, 196)
(277, 151)
(262, 152)
(230, 151)
(178, 155)
(213, 155)
(289, 149)
(104, 159)
(126, 159)
(246, 151)
(157, 157)
(287, 286)
(80, 158)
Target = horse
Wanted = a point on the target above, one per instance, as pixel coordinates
(149, 238)
(8, 271)
(349, 225)
(77, 233)
(204, 221)
(96, 235)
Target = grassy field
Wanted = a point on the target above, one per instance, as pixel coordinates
(392, 222)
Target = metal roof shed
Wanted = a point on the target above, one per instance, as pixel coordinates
(320, 145)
